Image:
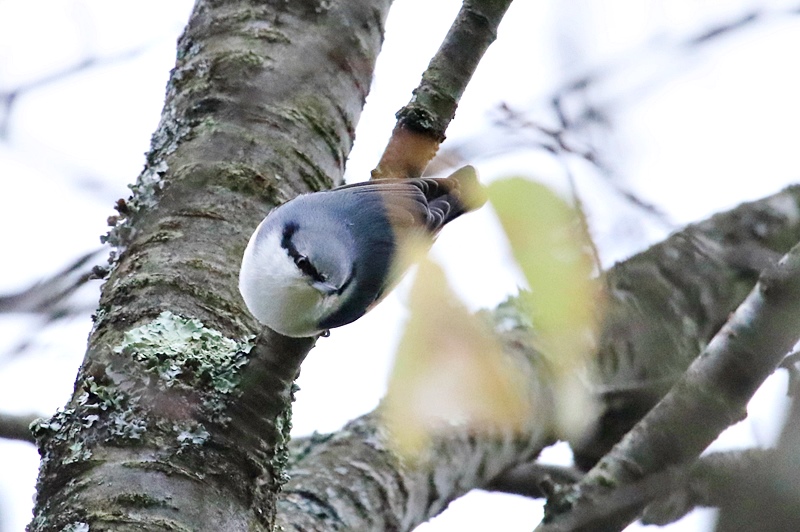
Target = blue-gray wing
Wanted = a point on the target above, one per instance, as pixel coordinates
(380, 215)
(427, 204)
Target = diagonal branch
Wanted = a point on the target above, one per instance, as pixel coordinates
(767, 497)
(422, 123)
(351, 480)
(49, 296)
(712, 395)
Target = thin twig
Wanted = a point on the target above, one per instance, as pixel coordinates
(421, 124)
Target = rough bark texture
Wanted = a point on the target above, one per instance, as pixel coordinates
(261, 106)
(352, 480)
(712, 395)
(661, 316)
(667, 303)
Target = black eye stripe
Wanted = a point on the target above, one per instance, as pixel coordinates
(300, 260)
(307, 268)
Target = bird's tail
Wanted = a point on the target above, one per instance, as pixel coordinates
(464, 193)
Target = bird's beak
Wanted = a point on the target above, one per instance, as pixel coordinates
(326, 288)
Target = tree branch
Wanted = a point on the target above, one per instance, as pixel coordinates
(422, 123)
(178, 418)
(767, 497)
(49, 297)
(17, 427)
(338, 476)
(665, 304)
(712, 395)
(709, 482)
(534, 480)
(8, 98)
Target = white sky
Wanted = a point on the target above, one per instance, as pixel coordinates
(693, 132)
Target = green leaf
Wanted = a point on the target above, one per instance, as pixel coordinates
(548, 244)
(449, 371)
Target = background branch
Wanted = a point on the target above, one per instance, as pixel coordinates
(16, 427)
(712, 395)
(340, 474)
(49, 296)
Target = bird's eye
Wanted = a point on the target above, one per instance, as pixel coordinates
(302, 262)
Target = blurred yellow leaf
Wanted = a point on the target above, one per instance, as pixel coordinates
(449, 371)
(548, 243)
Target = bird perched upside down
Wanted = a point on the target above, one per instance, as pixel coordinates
(322, 260)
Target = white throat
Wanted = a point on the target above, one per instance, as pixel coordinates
(276, 292)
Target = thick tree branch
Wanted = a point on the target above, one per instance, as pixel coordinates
(352, 480)
(644, 348)
(178, 419)
(422, 123)
(665, 304)
(712, 395)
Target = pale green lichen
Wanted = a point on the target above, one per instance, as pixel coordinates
(123, 422)
(79, 526)
(186, 355)
(191, 435)
(61, 428)
(184, 350)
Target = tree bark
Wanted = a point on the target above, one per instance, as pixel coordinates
(261, 106)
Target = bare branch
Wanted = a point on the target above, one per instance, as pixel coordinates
(710, 482)
(712, 395)
(49, 296)
(534, 479)
(422, 123)
(569, 135)
(7, 99)
(767, 497)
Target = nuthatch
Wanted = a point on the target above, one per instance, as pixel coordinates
(322, 260)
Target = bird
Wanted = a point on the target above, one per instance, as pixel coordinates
(324, 259)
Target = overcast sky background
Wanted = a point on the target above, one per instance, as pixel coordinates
(694, 131)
